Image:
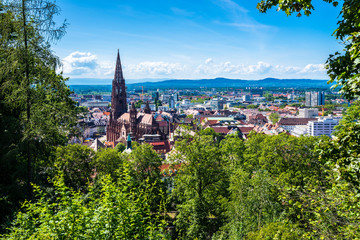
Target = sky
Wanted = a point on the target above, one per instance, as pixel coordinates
(182, 39)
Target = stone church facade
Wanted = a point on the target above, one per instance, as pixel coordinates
(123, 122)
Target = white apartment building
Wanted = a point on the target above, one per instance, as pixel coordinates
(323, 126)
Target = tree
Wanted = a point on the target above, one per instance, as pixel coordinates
(109, 162)
(274, 117)
(110, 210)
(333, 208)
(139, 103)
(120, 147)
(267, 185)
(75, 162)
(200, 187)
(268, 96)
(144, 168)
(253, 202)
(251, 106)
(33, 96)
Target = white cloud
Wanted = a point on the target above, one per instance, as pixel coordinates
(78, 63)
(208, 61)
(154, 68)
(313, 68)
(86, 64)
(210, 68)
(225, 68)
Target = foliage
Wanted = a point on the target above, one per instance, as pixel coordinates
(139, 103)
(270, 178)
(120, 147)
(253, 202)
(108, 162)
(269, 96)
(35, 106)
(251, 106)
(278, 230)
(200, 188)
(75, 162)
(113, 211)
(144, 169)
(210, 132)
(200, 100)
(232, 148)
(274, 117)
(335, 207)
(331, 204)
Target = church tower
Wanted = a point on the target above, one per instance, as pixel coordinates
(147, 108)
(133, 118)
(118, 95)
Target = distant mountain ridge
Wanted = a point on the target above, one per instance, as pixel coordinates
(233, 83)
(225, 83)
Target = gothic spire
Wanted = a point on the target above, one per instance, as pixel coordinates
(118, 70)
(118, 95)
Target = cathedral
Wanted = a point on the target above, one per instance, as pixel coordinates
(122, 123)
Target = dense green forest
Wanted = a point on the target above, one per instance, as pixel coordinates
(267, 187)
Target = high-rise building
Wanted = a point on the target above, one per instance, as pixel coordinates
(313, 99)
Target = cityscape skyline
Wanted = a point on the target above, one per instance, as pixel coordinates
(205, 39)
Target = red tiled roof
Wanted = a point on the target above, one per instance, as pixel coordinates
(246, 130)
(241, 122)
(295, 121)
(213, 122)
(221, 130)
(157, 143)
(161, 145)
(147, 119)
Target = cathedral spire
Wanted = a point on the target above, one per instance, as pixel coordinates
(118, 95)
(118, 69)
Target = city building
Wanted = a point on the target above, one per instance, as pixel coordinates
(308, 112)
(289, 124)
(313, 99)
(246, 98)
(322, 126)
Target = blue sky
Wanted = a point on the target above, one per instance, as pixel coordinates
(165, 39)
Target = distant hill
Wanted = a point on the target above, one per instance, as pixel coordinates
(205, 83)
(235, 83)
